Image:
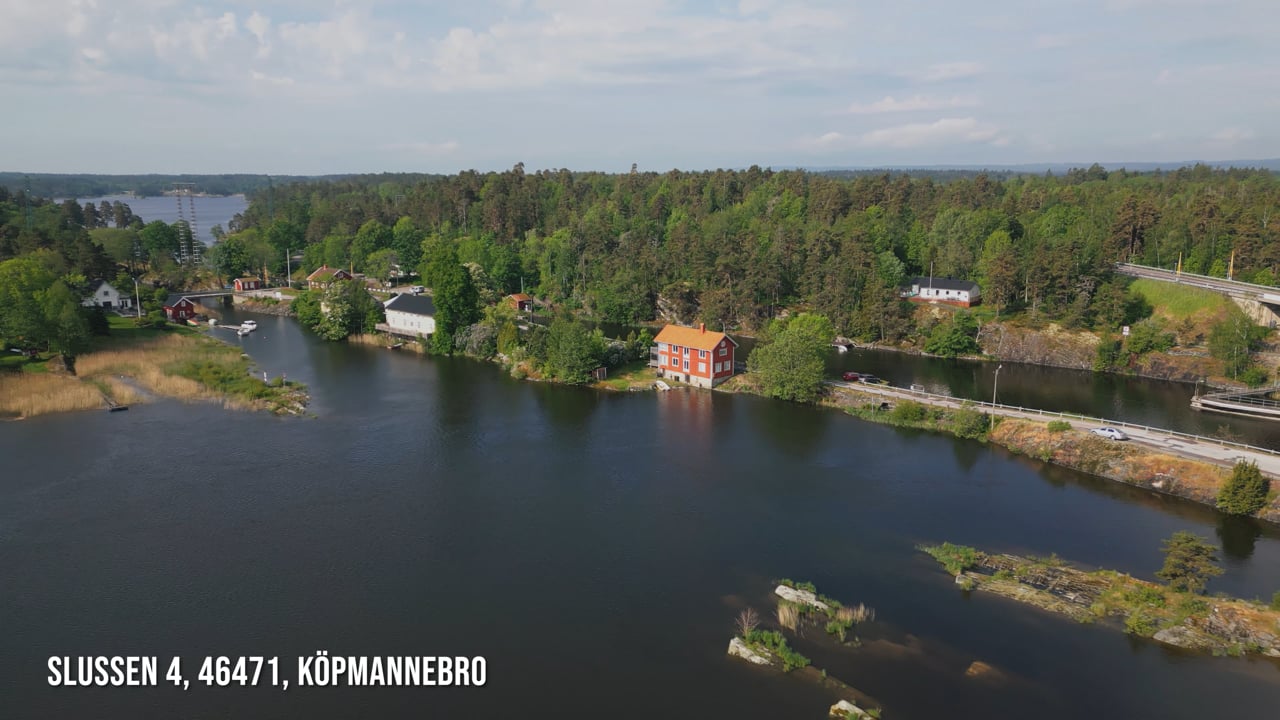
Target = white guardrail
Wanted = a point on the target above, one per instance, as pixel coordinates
(897, 391)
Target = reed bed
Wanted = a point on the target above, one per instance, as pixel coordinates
(28, 394)
(151, 364)
(788, 616)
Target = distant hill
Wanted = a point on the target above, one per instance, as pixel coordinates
(72, 185)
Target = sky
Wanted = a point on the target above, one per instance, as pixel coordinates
(317, 86)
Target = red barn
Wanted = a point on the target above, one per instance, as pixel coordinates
(693, 355)
(521, 302)
(247, 283)
(179, 308)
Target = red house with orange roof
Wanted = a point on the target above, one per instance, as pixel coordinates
(693, 355)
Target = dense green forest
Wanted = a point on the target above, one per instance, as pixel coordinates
(732, 248)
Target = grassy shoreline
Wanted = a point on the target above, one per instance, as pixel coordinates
(136, 364)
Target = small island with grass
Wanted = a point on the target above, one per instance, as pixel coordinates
(803, 612)
(1176, 613)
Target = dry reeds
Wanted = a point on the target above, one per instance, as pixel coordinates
(748, 621)
(788, 616)
(855, 614)
(29, 394)
(146, 363)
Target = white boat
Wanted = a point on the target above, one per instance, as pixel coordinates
(243, 331)
(249, 325)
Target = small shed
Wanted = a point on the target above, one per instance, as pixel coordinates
(247, 283)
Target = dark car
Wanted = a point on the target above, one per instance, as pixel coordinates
(852, 376)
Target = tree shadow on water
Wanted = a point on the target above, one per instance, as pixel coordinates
(1239, 535)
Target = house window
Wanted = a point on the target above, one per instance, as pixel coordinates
(702, 368)
(662, 347)
(686, 364)
(724, 351)
(104, 293)
(675, 361)
(702, 354)
(686, 351)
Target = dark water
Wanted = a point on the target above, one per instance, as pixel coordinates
(210, 211)
(594, 547)
(1138, 400)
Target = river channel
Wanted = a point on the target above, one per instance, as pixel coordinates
(593, 547)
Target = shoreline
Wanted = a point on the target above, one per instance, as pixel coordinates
(177, 364)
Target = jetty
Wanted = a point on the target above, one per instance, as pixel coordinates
(1261, 404)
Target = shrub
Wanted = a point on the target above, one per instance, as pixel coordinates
(1056, 426)
(1139, 623)
(908, 411)
(1275, 601)
(1246, 491)
(969, 423)
(955, 558)
(774, 642)
(1254, 375)
(1189, 563)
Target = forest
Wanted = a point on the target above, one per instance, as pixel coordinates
(734, 248)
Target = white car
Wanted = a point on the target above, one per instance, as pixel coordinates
(417, 289)
(1110, 433)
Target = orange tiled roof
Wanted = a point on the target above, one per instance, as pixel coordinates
(520, 297)
(695, 338)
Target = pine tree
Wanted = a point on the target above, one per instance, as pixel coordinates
(1246, 491)
(1189, 563)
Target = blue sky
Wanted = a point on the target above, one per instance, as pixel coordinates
(308, 87)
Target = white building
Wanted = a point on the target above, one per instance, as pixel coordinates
(412, 315)
(944, 290)
(103, 295)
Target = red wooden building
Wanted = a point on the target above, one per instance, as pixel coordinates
(179, 308)
(247, 283)
(323, 277)
(521, 302)
(693, 355)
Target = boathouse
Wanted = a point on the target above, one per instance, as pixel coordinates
(693, 355)
(247, 283)
(179, 308)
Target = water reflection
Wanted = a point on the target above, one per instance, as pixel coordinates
(1239, 536)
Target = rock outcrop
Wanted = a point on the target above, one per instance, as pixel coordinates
(739, 648)
(800, 597)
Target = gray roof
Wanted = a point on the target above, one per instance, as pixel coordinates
(412, 304)
(174, 298)
(938, 283)
(95, 284)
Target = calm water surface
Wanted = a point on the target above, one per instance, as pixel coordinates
(594, 547)
(210, 211)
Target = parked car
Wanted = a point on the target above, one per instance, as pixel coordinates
(1110, 433)
(852, 376)
(417, 289)
(872, 380)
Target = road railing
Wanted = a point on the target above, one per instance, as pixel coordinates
(937, 399)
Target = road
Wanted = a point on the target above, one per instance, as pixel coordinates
(1205, 449)
(1233, 288)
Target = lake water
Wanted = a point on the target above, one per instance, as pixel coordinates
(593, 547)
(209, 211)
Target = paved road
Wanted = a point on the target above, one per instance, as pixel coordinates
(1234, 288)
(1206, 449)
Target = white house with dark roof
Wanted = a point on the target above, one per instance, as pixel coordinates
(412, 315)
(104, 295)
(963, 293)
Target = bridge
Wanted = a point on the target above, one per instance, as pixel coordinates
(1260, 302)
(1249, 403)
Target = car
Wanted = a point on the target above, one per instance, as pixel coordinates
(1110, 433)
(417, 289)
(852, 376)
(872, 380)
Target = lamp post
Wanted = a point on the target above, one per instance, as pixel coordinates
(137, 298)
(995, 384)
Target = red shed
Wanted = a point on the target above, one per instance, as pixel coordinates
(179, 308)
(247, 283)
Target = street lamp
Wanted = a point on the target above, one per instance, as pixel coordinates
(137, 298)
(995, 384)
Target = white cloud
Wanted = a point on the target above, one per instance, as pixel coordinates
(890, 104)
(942, 72)
(1232, 135)
(945, 130)
(424, 148)
(257, 76)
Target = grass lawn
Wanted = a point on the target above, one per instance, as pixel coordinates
(125, 332)
(636, 373)
(1177, 301)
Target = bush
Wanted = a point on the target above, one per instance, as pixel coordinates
(908, 412)
(774, 642)
(955, 558)
(1254, 376)
(1275, 601)
(969, 423)
(1245, 492)
(1056, 426)
(1139, 623)
(1189, 563)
